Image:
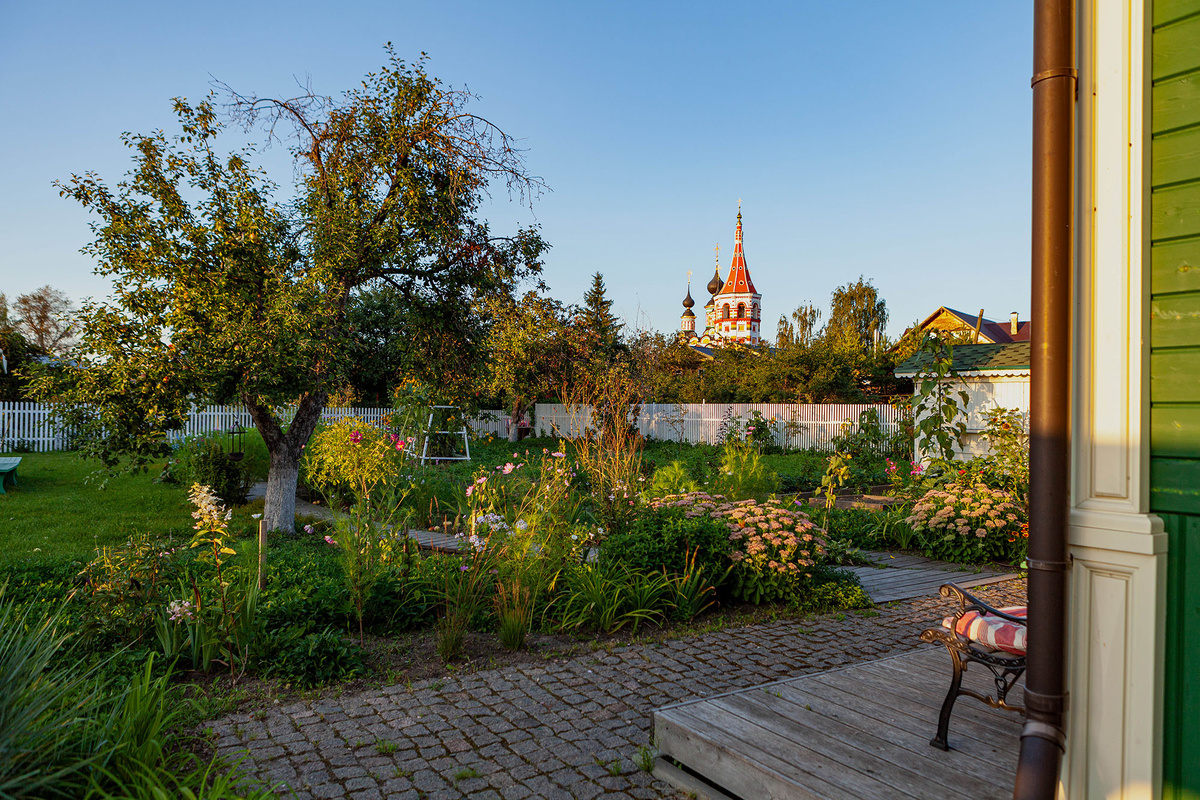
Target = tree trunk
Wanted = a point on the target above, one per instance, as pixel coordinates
(279, 514)
(285, 449)
(514, 423)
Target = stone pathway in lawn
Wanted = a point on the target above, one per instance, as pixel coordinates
(569, 728)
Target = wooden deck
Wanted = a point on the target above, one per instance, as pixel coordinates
(857, 732)
(900, 576)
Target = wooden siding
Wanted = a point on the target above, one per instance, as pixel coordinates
(1175, 257)
(1175, 369)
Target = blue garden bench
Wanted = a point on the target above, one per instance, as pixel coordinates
(8, 469)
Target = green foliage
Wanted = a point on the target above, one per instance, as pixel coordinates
(462, 591)
(124, 587)
(743, 475)
(194, 460)
(311, 659)
(674, 478)
(185, 778)
(666, 537)
(857, 314)
(694, 589)
(1007, 465)
(224, 291)
(606, 598)
(939, 408)
(64, 728)
(597, 319)
(836, 474)
(351, 458)
(969, 523)
(832, 590)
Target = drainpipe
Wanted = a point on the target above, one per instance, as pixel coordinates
(1043, 737)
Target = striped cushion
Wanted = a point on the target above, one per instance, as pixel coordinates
(991, 631)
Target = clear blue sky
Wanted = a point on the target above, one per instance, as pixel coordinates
(888, 139)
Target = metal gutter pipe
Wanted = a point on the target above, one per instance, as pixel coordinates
(1054, 92)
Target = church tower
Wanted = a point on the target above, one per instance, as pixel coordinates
(687, 321)
(737, 307)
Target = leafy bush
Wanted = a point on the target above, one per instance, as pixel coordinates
(968, 523)
(744, 476)
(773, 548)
(666, 536)
(124, 588)
(674, 478)
(311, 659)
(206, 460)
(832, 590)
(349, 458)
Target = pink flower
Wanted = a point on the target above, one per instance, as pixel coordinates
(330, 540)
(309, 529)
(356, 436)
(508, 467)
(470, 489)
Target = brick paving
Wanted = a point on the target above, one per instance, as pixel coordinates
(568, 728)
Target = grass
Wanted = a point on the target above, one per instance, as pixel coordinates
(56, 517)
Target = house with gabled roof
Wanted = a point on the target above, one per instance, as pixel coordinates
(993, 376)
(952, 321)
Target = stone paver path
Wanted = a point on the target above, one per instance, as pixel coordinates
(567, 728)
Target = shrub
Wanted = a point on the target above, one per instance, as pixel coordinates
(967, 523)
(665, 537)
(833, 590)
(773, 547)
(744, 476)
(674, 478)
(124, 588)
(311, 659)
(206, 460)
(349, 458)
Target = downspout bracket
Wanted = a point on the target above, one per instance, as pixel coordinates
(1048, 566)
(1039, 703)
(1060, 72)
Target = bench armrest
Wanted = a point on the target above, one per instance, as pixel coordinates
(969, 602)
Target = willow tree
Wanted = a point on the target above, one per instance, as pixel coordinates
(226, 288)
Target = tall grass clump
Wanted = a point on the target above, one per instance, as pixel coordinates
(70, 731)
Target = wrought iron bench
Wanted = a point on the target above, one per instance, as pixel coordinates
(979, 633)
(8, 469)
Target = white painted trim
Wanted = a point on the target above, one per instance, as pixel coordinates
(1118, 549)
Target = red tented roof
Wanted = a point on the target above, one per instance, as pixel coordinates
(739, 276)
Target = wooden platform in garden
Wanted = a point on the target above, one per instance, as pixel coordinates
(899, 576)
(856, 732)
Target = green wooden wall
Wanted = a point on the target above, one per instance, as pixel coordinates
(1175, 371)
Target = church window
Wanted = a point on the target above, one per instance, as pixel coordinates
(741, 310)
(726, 312)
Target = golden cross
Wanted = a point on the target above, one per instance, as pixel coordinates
(717, 252)
(739, 204)
(689, 276)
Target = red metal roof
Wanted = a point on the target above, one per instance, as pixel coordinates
(739, 276)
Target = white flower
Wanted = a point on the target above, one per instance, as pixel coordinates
(256, 516)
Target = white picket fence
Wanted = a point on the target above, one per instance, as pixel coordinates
(794, 426)
(31, 424)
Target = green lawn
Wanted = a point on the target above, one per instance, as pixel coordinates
(55, 517)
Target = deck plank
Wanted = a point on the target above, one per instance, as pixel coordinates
(820, 736)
